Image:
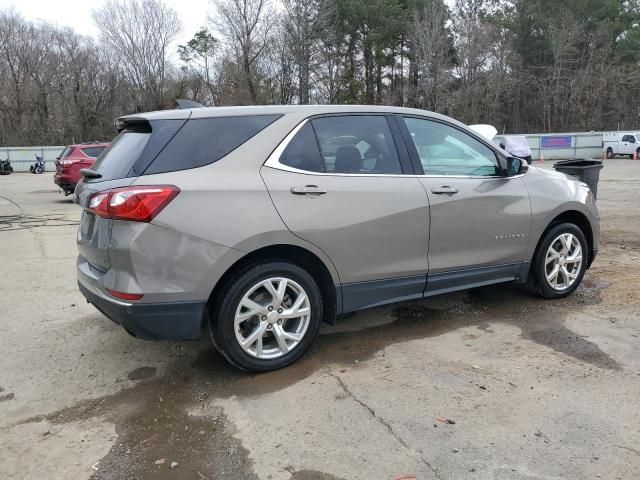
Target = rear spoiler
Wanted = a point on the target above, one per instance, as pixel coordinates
(182, 104)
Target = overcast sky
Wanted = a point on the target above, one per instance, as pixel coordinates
(77, 13)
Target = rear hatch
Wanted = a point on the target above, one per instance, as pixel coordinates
(147, 147)
(59, 165)
(137, 144)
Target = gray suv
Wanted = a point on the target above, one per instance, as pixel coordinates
(254, 224)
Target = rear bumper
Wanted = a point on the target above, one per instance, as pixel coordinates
(64, 183)
(150, 321)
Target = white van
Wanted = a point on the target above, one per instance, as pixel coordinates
(621, 143)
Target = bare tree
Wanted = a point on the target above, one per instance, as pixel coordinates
(473, 38)
(245, 25)
(300, 22)
(430, 44)
(141, 32)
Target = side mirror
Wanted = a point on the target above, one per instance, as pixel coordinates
(516, 166)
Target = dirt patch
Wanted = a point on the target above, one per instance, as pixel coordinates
(142, 373)
(7, 397)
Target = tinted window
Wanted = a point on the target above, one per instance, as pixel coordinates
(65, 153)
(357, 144)
(302, 152)
(445, 150)
(121, 154)
(629, 138)
(93, 151)
(203, 141)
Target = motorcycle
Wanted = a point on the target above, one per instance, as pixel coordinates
(37, 167)
(5, 167)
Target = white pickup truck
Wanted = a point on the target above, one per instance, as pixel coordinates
(621, 143)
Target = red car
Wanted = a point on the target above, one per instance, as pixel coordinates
(71, 160)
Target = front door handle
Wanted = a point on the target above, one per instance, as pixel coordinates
(444, 190)
(308, 190)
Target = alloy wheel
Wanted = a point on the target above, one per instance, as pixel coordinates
(272, 318)
(563, 262)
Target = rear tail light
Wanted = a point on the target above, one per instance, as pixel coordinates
(136, 204)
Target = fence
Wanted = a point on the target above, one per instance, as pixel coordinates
(22, 157)
(564, 145)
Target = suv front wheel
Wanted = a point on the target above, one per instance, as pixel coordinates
(560, 262)
(267, 316)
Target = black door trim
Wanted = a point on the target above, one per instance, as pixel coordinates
(445, 282)
(361, 295)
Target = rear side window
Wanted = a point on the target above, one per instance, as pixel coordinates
(93, 152)
(204, 141)
(302, 153)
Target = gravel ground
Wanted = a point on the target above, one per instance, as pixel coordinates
(484, 384)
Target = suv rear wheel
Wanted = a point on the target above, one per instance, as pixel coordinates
(560, 262)
(610, 153)
(267, 316)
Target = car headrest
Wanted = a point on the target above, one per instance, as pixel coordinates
(348, 160)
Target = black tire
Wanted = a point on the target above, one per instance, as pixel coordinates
(538, 277)
(221, 321)
(610, 153)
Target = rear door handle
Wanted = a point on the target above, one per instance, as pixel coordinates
(308, 190)
(444, 190)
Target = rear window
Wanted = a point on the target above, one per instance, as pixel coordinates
(168, 145)
(121, 154)
(65, 153)
(93, 152)
(204, 141)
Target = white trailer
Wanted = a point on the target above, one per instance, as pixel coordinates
(621, 143)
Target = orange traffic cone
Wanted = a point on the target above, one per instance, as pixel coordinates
(604, 155)
(635, 156)
(541, 158)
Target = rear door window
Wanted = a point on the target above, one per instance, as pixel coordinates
(357, 144)
(204, 141)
